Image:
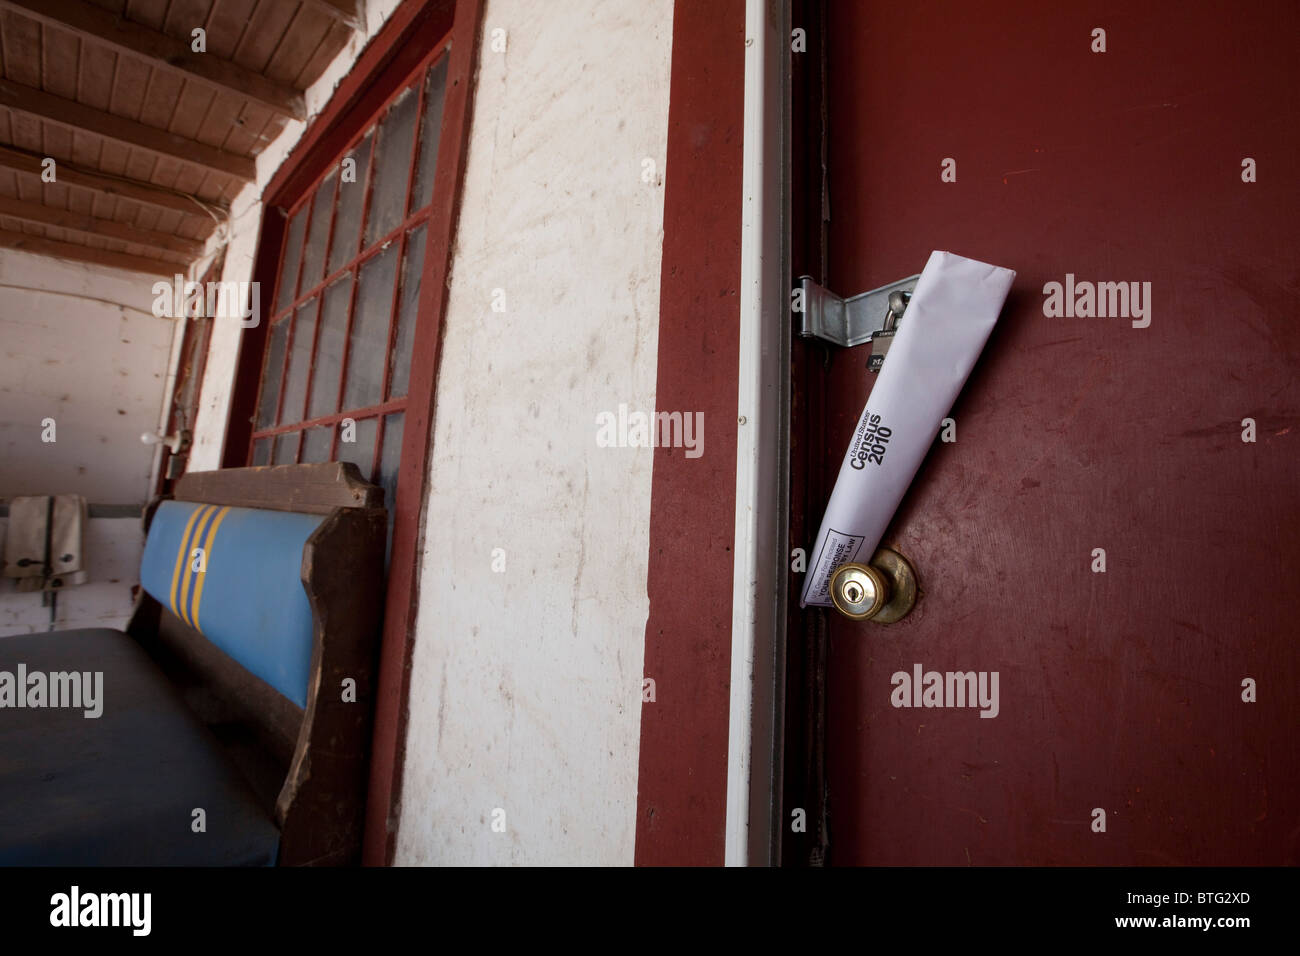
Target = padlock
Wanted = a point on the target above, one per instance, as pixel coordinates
(881, 340)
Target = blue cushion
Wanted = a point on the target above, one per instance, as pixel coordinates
(246, 595)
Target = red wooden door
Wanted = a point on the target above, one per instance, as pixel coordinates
(1119, 690)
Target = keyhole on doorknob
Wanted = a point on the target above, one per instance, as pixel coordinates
(883, 591)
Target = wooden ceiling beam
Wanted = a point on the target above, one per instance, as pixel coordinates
(131, 189)
(43, 215)
(77, 253)
(345, 11)
(86, 119)
(158, 49)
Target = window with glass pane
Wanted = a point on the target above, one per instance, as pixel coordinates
(338, 357)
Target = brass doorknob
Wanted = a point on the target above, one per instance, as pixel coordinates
(883, 591)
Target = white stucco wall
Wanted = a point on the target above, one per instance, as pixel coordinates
(78, 344)
(526, 687)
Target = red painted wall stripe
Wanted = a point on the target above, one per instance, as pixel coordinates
(682, 784)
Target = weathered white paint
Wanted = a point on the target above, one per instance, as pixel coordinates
(241, 236)
(79, 344)
(526, 687)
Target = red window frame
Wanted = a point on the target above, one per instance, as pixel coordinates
(314, 295)
(411, 40)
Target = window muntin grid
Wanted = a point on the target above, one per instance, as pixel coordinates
(340, 342)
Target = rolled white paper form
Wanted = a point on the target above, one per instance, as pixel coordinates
(951, 313)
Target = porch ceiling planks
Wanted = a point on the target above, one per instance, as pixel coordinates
(151, 139)
(345, 11)
(89, 22)
(38, 213)
(72, 115)
(79, 252)
(109, 187)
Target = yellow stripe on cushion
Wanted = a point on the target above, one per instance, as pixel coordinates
(180, 556)
(187, 582)
(207, 559)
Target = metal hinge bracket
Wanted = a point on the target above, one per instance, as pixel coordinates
(852, 321)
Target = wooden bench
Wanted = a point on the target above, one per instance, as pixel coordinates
(235, 708)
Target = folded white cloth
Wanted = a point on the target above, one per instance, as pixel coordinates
(24, 553)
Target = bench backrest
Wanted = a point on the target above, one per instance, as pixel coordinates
(234, 574)
(274, 641)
